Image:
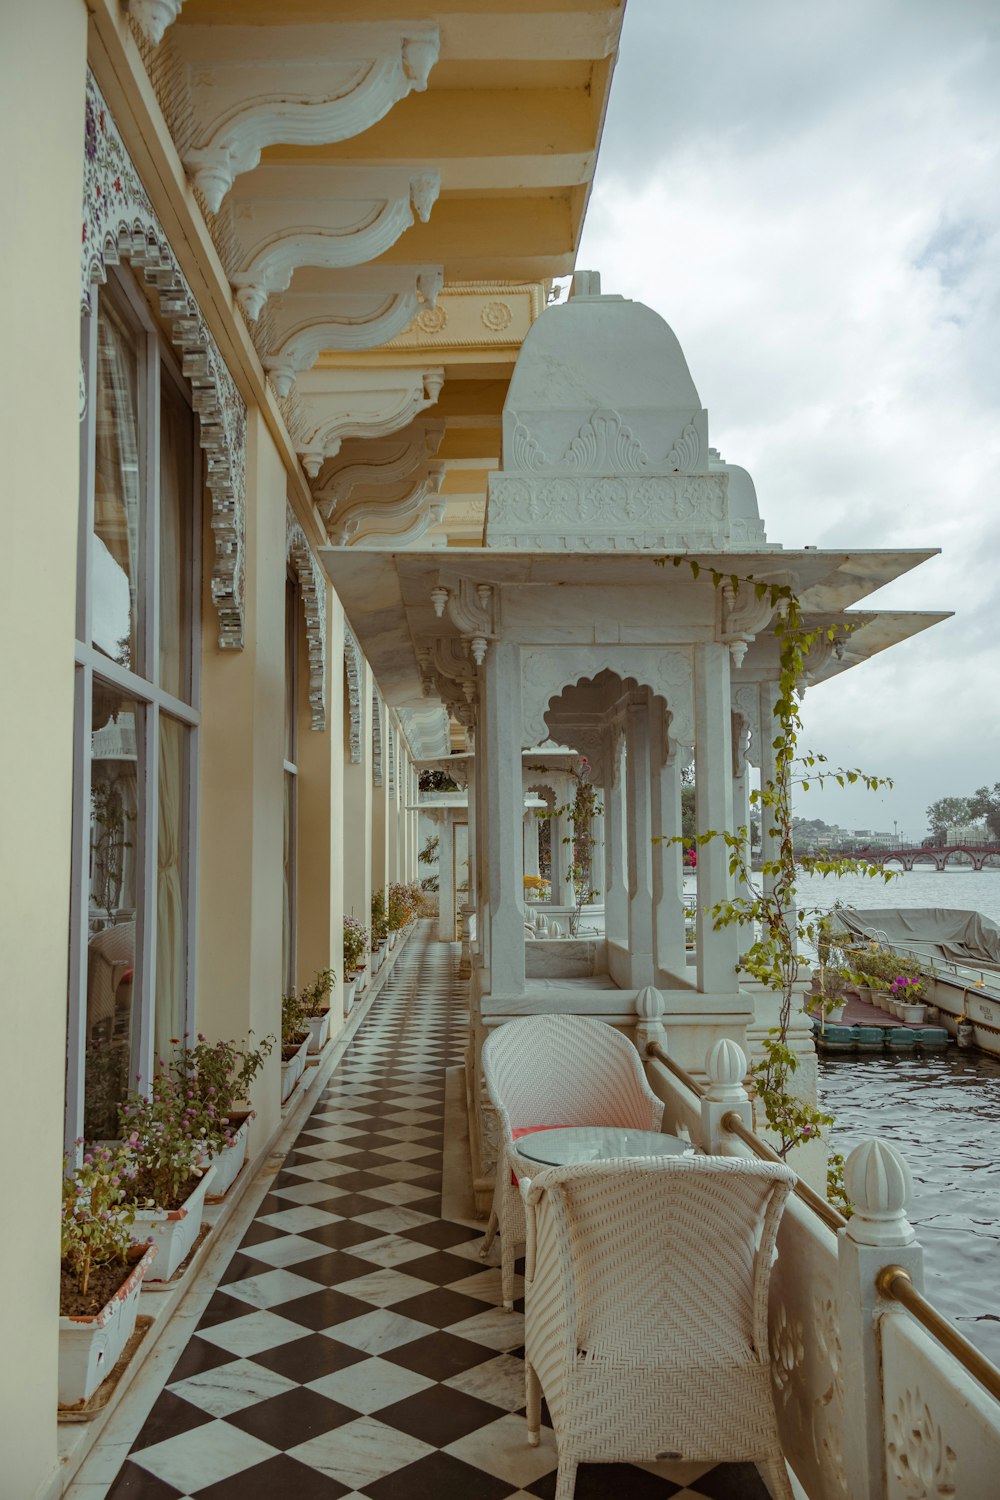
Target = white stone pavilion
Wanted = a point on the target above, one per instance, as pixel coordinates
(570, 626)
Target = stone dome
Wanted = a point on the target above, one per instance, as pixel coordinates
(604, 355)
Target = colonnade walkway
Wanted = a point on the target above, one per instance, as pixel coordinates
(355, 1348)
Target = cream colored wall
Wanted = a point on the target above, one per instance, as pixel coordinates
(42, 70)
(241, 818)
(321, 791)
(357, 820)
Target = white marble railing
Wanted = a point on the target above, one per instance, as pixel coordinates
(870, 1406)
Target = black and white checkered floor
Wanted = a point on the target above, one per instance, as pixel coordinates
(355, 1346)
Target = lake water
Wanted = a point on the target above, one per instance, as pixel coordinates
(941, 1111)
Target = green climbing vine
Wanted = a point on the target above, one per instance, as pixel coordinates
(768, 908)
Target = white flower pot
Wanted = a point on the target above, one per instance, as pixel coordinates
(291, 1069)
(89, 1348)
(378, 956)
(835, 1015)
(319, 1030)
(913, 1014)
(350, 990)
(174, 1230)
(229, 1161)
(393, 938)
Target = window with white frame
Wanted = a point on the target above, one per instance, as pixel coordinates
(131, 928)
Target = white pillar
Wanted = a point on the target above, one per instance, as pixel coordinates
(530, 842)
(615, 894)
(504, 800)
(563, 893)
(446, 880)
(668, 859)
(640, 844)
(718, 951)
(597, 876)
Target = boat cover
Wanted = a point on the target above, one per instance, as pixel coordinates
(963, 937)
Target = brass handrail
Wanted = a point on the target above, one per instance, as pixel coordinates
(653, 1049)
(826, 1211)
(896, 1284)
(734, 1124)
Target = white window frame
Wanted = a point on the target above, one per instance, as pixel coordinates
(158, 362)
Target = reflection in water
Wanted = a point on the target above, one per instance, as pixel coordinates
(942, 1112)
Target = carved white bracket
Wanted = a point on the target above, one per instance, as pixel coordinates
(362, 464)
(119, 224)
(154, 16)
(366, 307)
(393, 516)
(329, 405)
(745, 701)
(744, 616)
(332, 217)
(354, 667)
(248, 87)
(545, 674)
(312, 587)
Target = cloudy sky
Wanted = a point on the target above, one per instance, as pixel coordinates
(810, 195)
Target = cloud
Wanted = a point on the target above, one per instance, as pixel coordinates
(808, 196)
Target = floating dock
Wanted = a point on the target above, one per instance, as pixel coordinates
(867, 1028)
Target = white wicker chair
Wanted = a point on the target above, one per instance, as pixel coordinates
(555, 1070)
(646, 1311)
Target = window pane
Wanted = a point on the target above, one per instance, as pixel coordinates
(176, 460)
(112, 977)
(115, 545)
(288, 906)
(171, 884)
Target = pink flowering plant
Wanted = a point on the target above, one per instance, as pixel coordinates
(356, 943)
(907, 989)
(169, 1136)
(219, 1074)
(98, 1212)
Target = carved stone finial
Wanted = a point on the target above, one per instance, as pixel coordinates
(726, 1066)
(439, 598)
(154, 16)
(880, 1185)
(649, 1004)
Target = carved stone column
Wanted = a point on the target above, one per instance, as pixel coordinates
(668, 859)
(530, 842)
(446, 879)
(717, 951)
(638, 769)
(615, 894)
(562, 893)
(505, 807)
(597, 847)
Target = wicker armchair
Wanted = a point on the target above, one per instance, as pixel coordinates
(646, 1311)
(555, 1070)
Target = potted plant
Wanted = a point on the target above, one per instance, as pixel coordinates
(221, 1074)
(169, 1134)
(908, 997)
(101, 1272)
(315, 999)
(398, 911)
(355, 952)
(295, 1038)
(380, 930)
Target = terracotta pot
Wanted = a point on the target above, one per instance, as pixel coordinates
(89, 1348)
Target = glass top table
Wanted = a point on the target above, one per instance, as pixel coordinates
(580, 1143)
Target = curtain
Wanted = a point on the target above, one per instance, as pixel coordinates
(116, 489)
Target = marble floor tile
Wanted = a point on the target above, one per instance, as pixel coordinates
(361, 1451)
(370, 1385)
(502, 1449)
(252, 1334)
(231, 1387)
(378, 1331)
(271, 1287)
(197, 1459)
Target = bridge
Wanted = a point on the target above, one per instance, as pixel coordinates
(983, 856)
